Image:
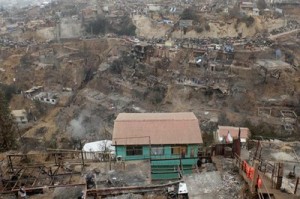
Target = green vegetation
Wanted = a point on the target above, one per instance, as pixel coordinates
(8, 91)
(102, 26)
(208, 138)
(198, 29)
(207, 27)
(156, 94)
(117, 65)
(189, 14)
(262, 129)
(7, 126)
(26, 60)
(248, 20)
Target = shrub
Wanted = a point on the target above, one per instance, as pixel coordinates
(26, 60)
(189, 14)
(102, 26)
(156, 94)
(207, 27)
(116, 67)
(198, 29)
(97, 27)
(248, 20)
(8, 91)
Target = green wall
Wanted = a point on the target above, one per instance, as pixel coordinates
(121, 151)
(164, 167)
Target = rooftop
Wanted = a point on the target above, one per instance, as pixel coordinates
(234, 131)
(155, 116)
(273, 64)
(156, 128)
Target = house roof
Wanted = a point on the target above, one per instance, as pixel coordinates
(156, 128)
(273, 64)
(234, 131)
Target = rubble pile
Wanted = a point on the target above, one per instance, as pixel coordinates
(67, 192)
(214, 185)
(261, 41)
(127, 196)
(291, 25)
(6, 42)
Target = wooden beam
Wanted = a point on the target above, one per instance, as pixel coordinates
(19, 178)
(131, 189)
(41, 188)
(296, 187)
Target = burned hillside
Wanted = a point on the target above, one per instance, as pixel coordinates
(69, 69)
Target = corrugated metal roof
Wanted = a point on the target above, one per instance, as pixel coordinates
(234, 131)
(157, 128)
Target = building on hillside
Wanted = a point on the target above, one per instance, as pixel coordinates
(246, 7)
(98, 150)
(20, 116)
(46, 97)
(185, 23)
(255, 12)
(89, 14)
(153, 7)
(228, 133)
(169, 140)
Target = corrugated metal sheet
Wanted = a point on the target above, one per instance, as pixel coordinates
(234, 131)
(161, 128)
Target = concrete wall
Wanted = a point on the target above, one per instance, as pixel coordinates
(21, 120)
(46, 100)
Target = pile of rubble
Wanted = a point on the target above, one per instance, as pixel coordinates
(214, 185)
(6, 42)
(291, 25)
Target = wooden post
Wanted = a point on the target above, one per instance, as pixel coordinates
(10, 163)
(260, 153)
(55, 160)
(279, 176)
(116, 149)
(255, 176)
(296, 187)
(110, 162)
(257, 146)
(82, 159)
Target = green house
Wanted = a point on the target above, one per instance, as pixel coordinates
(169, 140)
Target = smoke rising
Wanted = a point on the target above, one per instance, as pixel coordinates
(86, 125)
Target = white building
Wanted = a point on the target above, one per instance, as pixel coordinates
(20, 116)
(153, 7)
(228, 133)
(94, 149)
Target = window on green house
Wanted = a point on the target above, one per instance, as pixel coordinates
(134, 150)
(157, 150)
(179, 150)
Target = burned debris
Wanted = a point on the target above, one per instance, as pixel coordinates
(88, 85)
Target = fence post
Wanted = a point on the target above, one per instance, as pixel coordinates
(255, 176)
(279, 176)
(296, 187)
